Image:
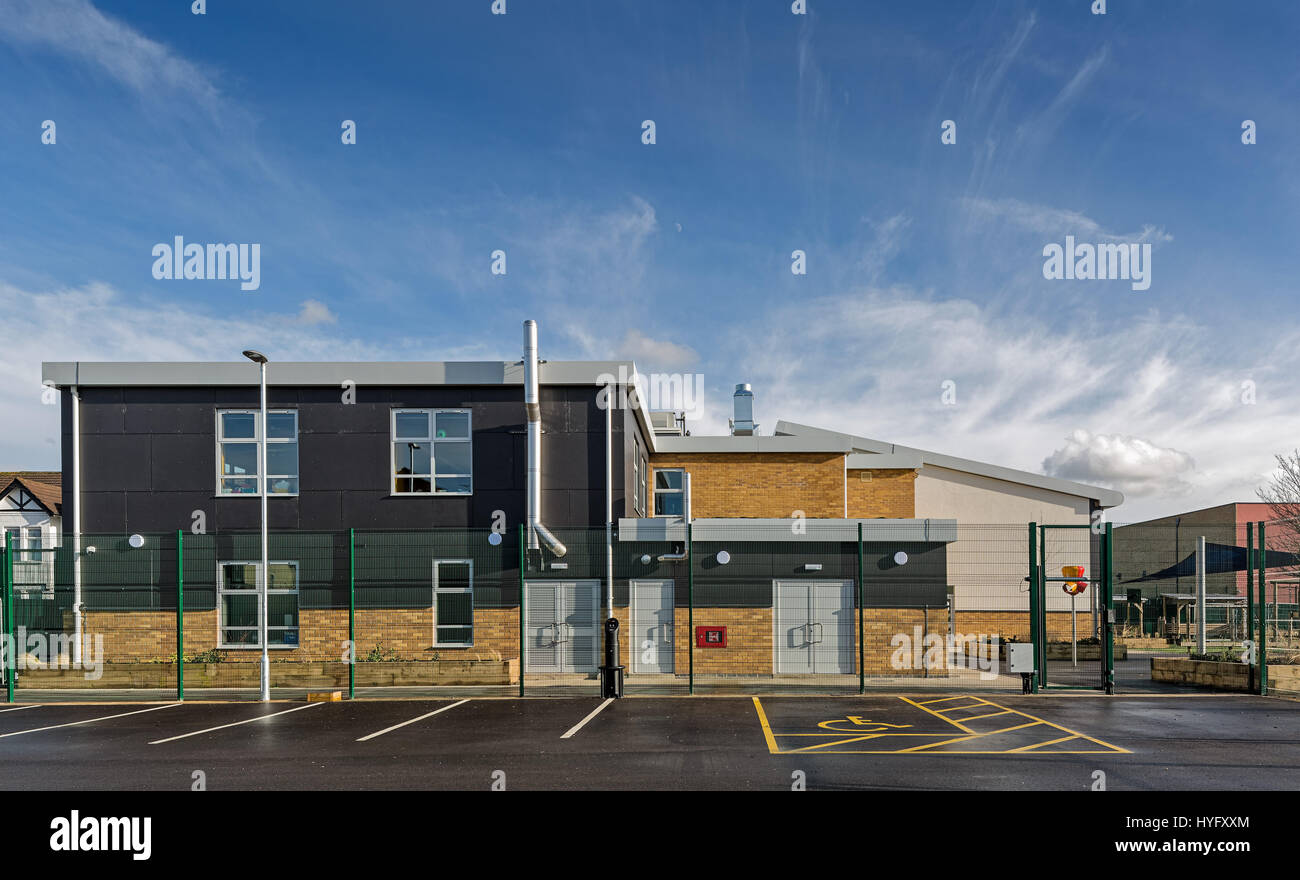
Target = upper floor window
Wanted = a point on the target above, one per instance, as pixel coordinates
(432, 452)
(638, 480)
(238, 471)
(669, 494)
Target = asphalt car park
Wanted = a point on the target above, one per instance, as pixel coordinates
(876, 741)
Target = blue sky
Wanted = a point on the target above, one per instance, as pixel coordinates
(774, 132)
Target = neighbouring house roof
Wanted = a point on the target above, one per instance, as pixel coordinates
(1103, 497)
(45, 486)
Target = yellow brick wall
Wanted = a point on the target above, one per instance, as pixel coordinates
(887, 493)
(151, 635)
(761, 485)
(1007, 625)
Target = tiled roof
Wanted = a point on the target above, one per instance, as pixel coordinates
(45, 486)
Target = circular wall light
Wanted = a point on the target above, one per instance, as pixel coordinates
(494, 538)
(723, 557)
(136, 541)
(900, 558)
(645, 558)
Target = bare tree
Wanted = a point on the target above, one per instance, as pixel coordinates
(1282, 495)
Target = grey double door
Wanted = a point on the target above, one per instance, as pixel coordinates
(814, 624)
(563, 625)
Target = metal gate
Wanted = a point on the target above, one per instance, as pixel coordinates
(814, 627)
(1072, 631)
(563, 626)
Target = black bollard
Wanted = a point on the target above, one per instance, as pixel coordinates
(611, 674)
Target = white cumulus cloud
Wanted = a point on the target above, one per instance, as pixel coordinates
(1134, 465)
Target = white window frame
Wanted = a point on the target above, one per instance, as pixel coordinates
(638, 480)
(437, 589)
(256, 644)
(433, 442)
(681, 491)
(261, 476)
(33, 569)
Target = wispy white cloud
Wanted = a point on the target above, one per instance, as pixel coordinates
(873, 362)
(1052, 222)
(77, 29)
(654, 354)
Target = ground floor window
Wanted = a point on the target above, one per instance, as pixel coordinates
(240, 602)
(453, 602)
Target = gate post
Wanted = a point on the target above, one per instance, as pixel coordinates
(690, 609)
(1035, 637)
(352, 612)
(1264, 616)
(862, 647)
(180, 615)
(11, 649)
(1108, 610)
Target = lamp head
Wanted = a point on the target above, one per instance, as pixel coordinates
(255, 356)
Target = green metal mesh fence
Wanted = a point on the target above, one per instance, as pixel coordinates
(724, 606)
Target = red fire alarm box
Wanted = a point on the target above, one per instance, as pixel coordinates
(710, 637)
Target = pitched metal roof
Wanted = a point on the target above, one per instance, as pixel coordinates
(1103, 497)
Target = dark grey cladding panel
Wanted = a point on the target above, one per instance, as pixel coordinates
(102, 412)
(344, 461)
(487, 501)
(322, 510)
(103, 512)
(495, 465)
(182, 462)
(569, 461)
(118, 461)
(246, 513)
(166, 511)
(504, 417)
(168, 410)
(377, 510)
(452, 512)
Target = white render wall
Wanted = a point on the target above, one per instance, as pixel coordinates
(989, 561)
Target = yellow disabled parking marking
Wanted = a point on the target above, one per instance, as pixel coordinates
(830, 736)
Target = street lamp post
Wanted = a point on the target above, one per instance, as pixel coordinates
(260, 359)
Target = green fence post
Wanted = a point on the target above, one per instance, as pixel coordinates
(352, 613)
(180, 615)
(1034, 635)
(1108, 596)
(10, 649)
(862, 650)
(521, 609)
(1250, 596)
(690, 610)
(1263, 615)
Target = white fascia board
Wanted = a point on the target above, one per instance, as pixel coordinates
(333, 373)
(1103, 497)
(732, 444)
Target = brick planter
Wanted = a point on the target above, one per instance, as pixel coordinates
(1056, 651)
(1202, 673)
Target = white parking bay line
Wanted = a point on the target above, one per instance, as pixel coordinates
(594, 712)
(88, 720)
(235, 723)
(18, 709)
(412, 721)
